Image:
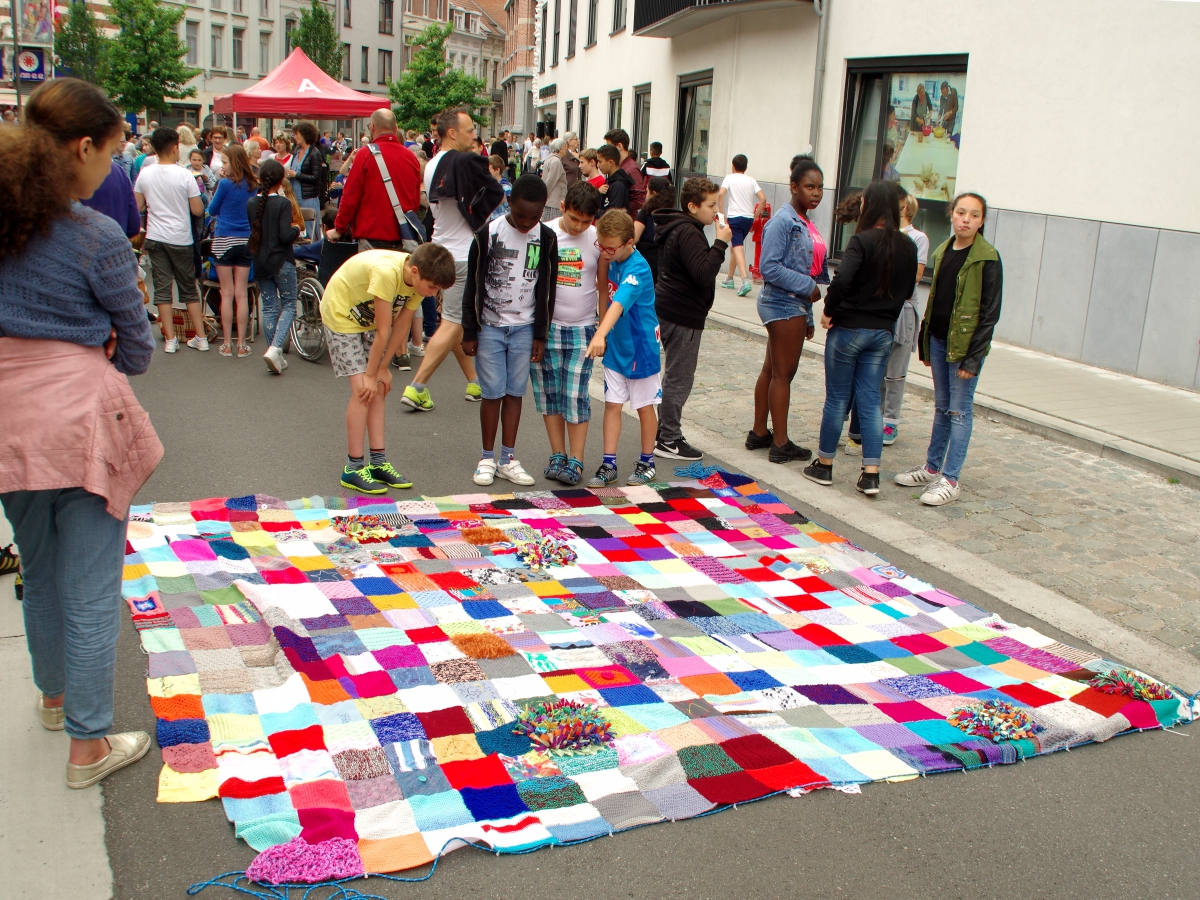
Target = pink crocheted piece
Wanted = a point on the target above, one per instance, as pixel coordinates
(298, 861)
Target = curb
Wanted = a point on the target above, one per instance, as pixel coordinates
(1072, 434)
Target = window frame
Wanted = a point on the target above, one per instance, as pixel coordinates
(687, 83)
(557, 32)
(347, 13)
(387, 16)
(365, 57)
(593, 23)
(237, 50)
(619, 97)
(216, 47)
(384, 64)
(620, 16)
(544, 6)
(572, 27)
(264, 9)
(345, 62)
(584, 104)
(264, 52)
(191, 38)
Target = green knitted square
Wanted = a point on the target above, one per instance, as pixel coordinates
(705, 760)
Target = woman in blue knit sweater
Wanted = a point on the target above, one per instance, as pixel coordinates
(229, 246)
(68, 287)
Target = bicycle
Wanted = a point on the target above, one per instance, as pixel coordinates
(307, 332)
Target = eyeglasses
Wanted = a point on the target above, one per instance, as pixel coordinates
(608, 251)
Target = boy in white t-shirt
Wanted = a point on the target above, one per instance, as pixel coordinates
(743, 201)
(169, 196)
(560, 380)
(507, 306)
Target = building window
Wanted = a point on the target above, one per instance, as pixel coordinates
(695, 114)
(903, 124)
(216, 4)
(264, 9)
(239, 41)
(542, 56)
(618, 15)
(614, 109)
(557, 22)
(218, 39)
(346, 17)
(366, 65)
(345, 62)
(572, 24)
(191, 33)
(593, 14)
(583, 117)
(264, 53)
(385, 66)
(289, 25)
(238, 5)
(386, 8)
(641, 121)
(567, 118)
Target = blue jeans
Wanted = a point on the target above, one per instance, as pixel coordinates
(854, 362)
(954, 399)
(72, 559)
(502, 360)
(429, 314)
(278, 304)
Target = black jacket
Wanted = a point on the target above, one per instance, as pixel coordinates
(311, 174)
(278, 234)
(853, 300)
(620, 189)
(466, 179)
(476, 287)
(687, 268)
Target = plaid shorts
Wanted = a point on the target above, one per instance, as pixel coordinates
(349, 352)
(560, 380)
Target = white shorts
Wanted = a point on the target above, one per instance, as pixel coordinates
(637, 392)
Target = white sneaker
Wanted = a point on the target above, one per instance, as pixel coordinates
(171, 346)
(940, 493)
(853, 449)
(283, 363)
(514, 472)
(274, 359)
(198, 343)
(916, 476)
(414, 350)
(485, 472)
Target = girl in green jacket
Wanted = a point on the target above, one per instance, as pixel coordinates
(956, 334)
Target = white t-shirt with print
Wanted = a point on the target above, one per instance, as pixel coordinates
(168, 215)
(741, 195)
(512, 273)
(575, 297)
(450, 229)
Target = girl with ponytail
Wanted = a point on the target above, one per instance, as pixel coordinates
(273, 231)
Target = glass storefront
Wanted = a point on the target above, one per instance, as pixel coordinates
(904, 124)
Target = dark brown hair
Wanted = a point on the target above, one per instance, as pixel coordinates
(434, 263)
(881, 210)
(696, 190)
(36, 172)
(308, 131)
(270, 174)
(660, 193)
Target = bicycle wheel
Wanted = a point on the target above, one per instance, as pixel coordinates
(308, 334)
(210, 307)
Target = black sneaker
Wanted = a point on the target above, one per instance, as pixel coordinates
(819, 472)
(9, 561)
(789, 452)
(679, 449)
(360, 480)
(868, 482)
(754, 442)
(402, 362)
(387, 474)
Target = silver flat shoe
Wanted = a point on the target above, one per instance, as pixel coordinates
(124, 750)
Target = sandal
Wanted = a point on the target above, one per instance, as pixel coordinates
(224, 350)
(243, 351)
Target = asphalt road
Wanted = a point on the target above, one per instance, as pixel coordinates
(1112, 820)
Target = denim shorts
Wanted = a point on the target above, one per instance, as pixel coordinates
(502, 360)
(740, 226)
(775, 306)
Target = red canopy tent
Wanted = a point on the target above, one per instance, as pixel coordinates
(297, 87)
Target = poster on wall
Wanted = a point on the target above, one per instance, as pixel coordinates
(923, 133)
(36, 18)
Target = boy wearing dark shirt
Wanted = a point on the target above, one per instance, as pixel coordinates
(618, 186)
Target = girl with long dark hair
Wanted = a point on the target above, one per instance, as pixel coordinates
(660, 194)
(234, 191)
(876, 275)
(75, 446)
(956, 334)
(793, 258)
(272, 234)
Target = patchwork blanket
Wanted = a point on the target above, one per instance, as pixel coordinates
(361, 685)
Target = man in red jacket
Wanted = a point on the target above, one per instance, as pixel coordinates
(365, 209)
(619, 138)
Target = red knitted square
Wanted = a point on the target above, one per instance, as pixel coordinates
(1035, 696)
(756, 751)
(1098, 701)
(324, 793)
(792, 775)
(476, 773)
(734, 787)
(446, 722)
(284, 743)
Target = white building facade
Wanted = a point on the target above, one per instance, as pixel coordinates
(1067, 117)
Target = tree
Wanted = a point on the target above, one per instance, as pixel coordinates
(144, 63)
(80, 44)
(317, 36)
(428, 85)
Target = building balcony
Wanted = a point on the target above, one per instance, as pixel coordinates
(671, 18)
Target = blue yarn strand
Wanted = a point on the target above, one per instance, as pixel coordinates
(697, 471)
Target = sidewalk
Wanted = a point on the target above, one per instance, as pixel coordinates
(1139, 423)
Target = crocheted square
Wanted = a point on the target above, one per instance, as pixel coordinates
(706, 760)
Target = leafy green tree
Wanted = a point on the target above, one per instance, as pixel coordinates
(79, 42)
(317, 36)
(428, 85)
(144, 66)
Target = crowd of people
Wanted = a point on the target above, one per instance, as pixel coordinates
(570, 270)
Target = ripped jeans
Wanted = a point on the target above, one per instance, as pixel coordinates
(952, 418)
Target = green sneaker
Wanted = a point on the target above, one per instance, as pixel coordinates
(360, 480)
(387, 474)
(417, 399)
(474, 392)
(745, 289)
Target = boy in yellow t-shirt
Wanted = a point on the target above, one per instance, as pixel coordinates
(367, 311)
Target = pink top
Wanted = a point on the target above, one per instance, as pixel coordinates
(819, 251)
(77, 423)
